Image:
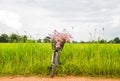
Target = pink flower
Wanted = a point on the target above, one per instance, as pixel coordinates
(57, 36)
(59, 39)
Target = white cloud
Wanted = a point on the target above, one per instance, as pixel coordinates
(10, 19)
(115, 21)
(43, 16)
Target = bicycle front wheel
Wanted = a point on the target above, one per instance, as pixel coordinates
(54, 64)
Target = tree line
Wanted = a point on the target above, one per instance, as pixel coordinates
(116, 40)
(15, 38)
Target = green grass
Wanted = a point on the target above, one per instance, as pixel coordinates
(77, 59)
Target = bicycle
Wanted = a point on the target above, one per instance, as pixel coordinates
(55, 58)
(58, 40)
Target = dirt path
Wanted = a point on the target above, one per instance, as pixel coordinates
(70, 78)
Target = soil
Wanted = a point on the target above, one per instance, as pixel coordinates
(68, 78)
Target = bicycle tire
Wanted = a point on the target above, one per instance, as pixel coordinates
(54, 64)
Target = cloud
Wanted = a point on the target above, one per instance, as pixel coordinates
(43, 16)
(10, 19)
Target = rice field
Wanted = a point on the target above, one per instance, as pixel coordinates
(77, 59)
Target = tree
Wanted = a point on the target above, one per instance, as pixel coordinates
(111, 41)
(4, 38)
(116, 40)
(46, 40)
(23, 38)
(14, 38)
(74, 41)
(39, 41)
(82, 42)
(102, 41)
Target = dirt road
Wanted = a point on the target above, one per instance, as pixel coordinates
(69, 78)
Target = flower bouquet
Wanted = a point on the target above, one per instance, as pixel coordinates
(58, 39)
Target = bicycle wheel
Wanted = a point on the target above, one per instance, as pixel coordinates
(54, 64)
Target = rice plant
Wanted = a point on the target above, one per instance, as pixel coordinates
(77, 59)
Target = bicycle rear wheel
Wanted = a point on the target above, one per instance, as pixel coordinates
(54, 64)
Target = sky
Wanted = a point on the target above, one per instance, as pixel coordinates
(84, 19)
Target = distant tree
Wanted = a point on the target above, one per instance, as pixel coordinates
(46, 40)
(39, 40)
(23, 38)
(102, 41)
(14, 38)
(111, 41)
(82, 42)
(4, 38)
(74, 41)
(116, 40)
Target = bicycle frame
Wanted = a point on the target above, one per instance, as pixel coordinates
(55, 57)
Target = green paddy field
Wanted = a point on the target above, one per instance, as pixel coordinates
(77, 59)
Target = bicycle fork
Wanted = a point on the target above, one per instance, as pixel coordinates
(53, 58)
